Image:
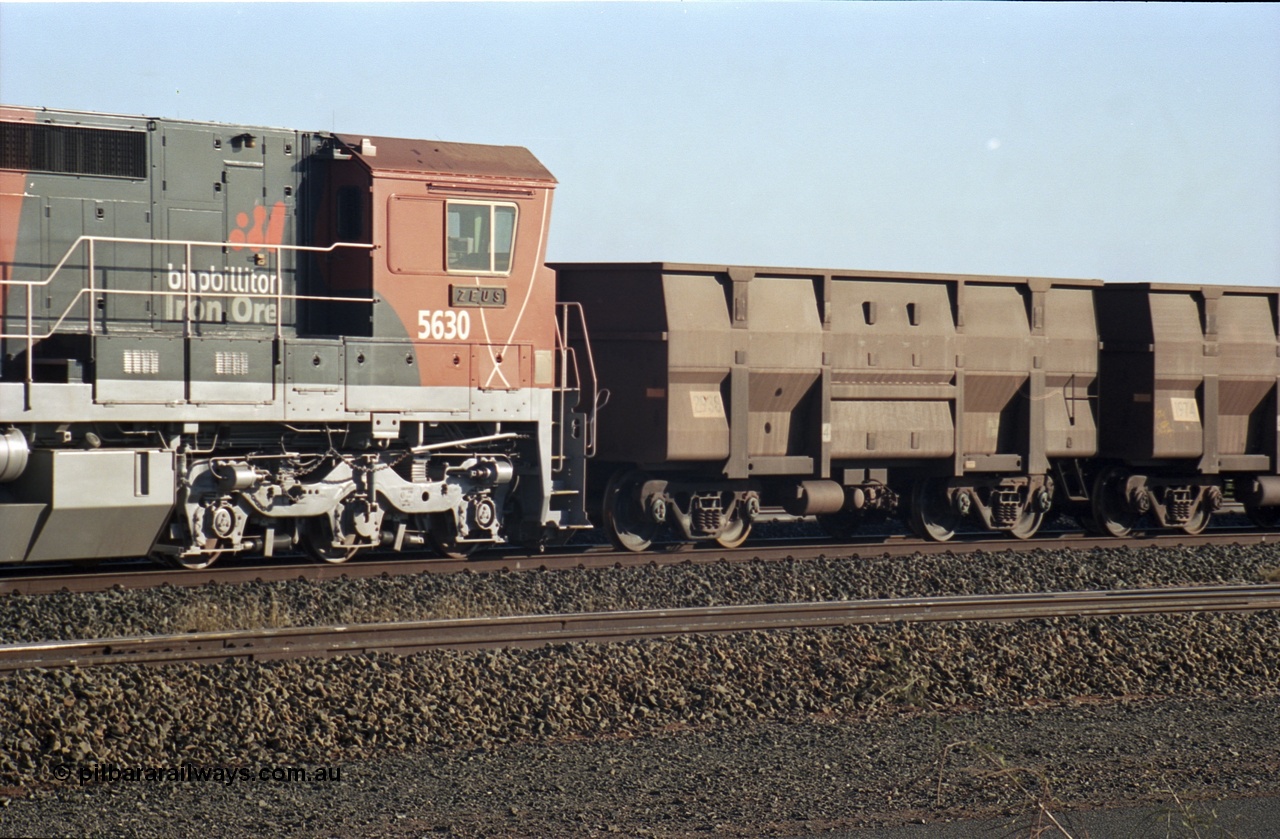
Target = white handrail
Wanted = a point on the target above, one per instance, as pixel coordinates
(185, 243)
(187, 292)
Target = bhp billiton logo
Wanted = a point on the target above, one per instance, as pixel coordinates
(252, 289)
(264, 231)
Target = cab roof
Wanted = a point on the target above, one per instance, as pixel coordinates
(392, 154)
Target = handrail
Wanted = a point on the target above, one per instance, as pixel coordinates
(568, 361)
(134, 292)
(561, 386)
(186, 243)
(187, 292)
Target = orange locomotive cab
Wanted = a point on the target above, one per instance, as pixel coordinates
(458, 233)
(459, 330)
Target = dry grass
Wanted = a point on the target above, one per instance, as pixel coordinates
(271, 613)
(205, 616)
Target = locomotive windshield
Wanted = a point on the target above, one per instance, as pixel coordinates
(480, 236)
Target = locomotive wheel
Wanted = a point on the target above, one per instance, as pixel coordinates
(1028, 524)
(317, 540)
(735, 534)
(931, 516)
(1110, 514)
(443, 536)
(198, 562)
(840, 526)
(622, 520)
(1264, 517)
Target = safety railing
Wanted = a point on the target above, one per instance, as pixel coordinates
(569, 379)
(189, 293)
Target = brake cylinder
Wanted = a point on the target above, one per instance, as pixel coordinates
(814, 498)
(1265, 491)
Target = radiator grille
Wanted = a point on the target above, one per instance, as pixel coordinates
(72, 150)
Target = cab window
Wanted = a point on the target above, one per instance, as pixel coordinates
(480, 237)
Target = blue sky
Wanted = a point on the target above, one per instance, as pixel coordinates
(1116, 141)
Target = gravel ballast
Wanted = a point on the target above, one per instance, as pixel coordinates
(167, 610)
(347, 711)
(779, 733)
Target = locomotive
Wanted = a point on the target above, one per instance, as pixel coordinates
(220, 339)
(229, 339)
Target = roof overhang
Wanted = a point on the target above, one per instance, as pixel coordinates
(390, 155)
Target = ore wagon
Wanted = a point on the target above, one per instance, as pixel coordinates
(839, 394)
(1188, 405)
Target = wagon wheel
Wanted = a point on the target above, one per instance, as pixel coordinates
(734, 534)
(1111, 516)
(1087, 523)
(841, 526)
(1199, 520)
(442, 533)
(1028, 524)
(932, 516)
(1264, 517)
(626, 525)
(317, 540)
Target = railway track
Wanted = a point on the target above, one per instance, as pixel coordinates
(143, 574)
(472, 633)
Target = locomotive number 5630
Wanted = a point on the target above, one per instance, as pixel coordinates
(444, 324)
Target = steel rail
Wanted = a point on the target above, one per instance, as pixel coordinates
(19, 579)
(536, 630)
